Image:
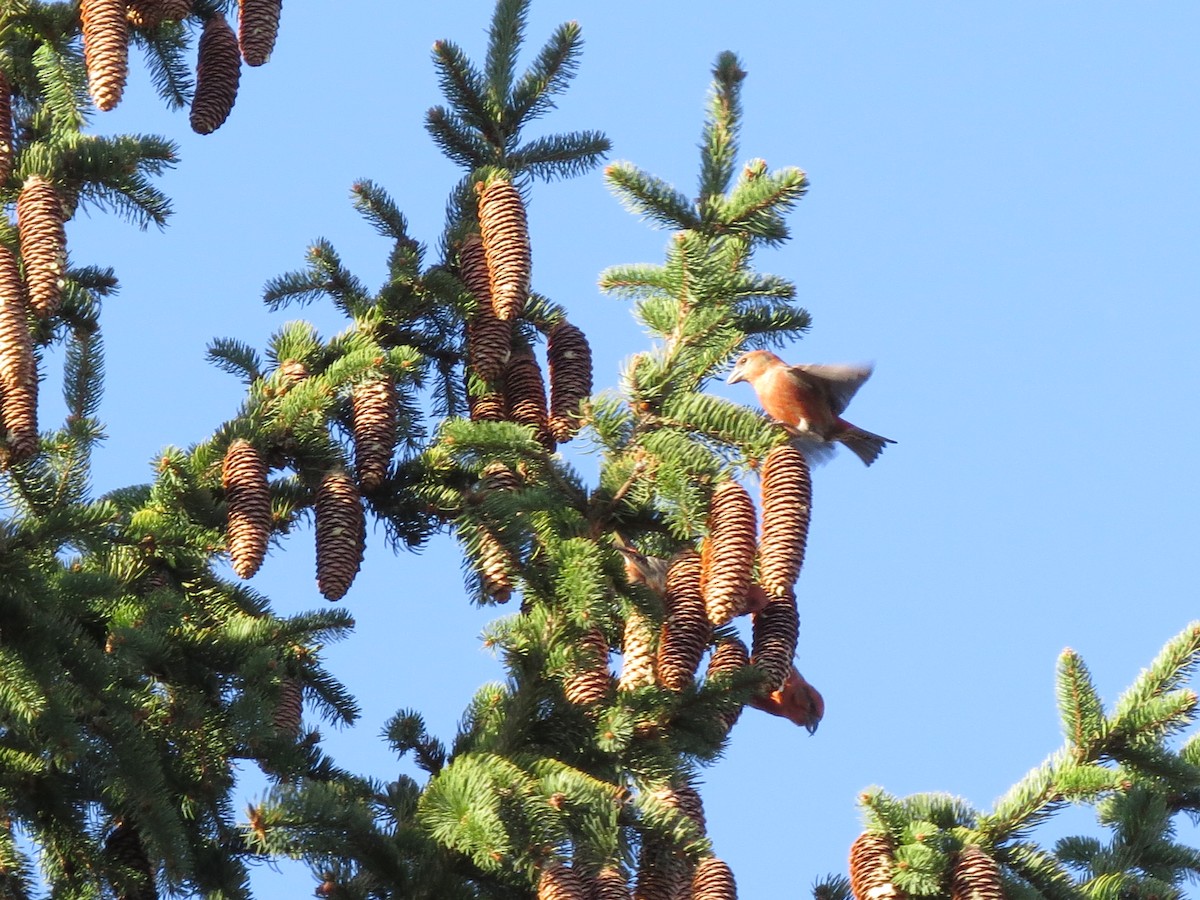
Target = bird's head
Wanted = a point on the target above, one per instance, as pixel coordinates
(751, 365)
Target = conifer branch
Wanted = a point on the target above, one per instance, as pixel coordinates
(549, 75)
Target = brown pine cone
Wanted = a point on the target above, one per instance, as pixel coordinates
(218, 72)
(374, 405)
(637, 653)
(149, 14)
(525, 393)
(775, 632)
(496, 476)
(289, 373)
(686, 799)
(786, 505)
(487, 407)
(43, 243)
(975, 876)
(18, 368)
(661, 875)
(871, 868)
(570, 361)
(588, 684)
(560, 882)
(505, 235)
(489, 344)
(493, 568)
(729, 552)
(686, 631)
(713, 880)
(289, 708)
(6, 129)
(124, 848)
(258, 26)
(609, 884)
(341, 532)
(105, 49)
(248, 501)
(729, 657)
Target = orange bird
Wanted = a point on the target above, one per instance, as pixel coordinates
(797, 701)
(809, 401)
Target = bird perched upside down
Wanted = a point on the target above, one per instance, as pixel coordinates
(797, 701)
(809, 401)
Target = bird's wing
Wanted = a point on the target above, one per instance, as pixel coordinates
(837, 384)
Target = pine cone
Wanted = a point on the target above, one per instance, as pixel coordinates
(786, 504)
(340, 534)
(570, 361)
(729, 552)
(290, 707)
(975, 876)
(686, 799)
(489, 344)
(124, 848)
(248, 501)
(610, 884)
(588, 684)
(492, 565)
(729, 657)
(258, 26)
(487, 407)
(526, 395)
(775, 633)
(105, 49)
(637, 653)
(496, 476)
(713, 880)
(289, 373)
(18, 368)
(871, 868)
(686, 631)
(149, 14)
(560, 882)
(43, 243)
(505, 235)
(374, 415)
(6, 129)
(218, 72)
(660, 875)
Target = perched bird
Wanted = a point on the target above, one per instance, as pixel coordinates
(809, 401)
(797, 701)
(642, 569)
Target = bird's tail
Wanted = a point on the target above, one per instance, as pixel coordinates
(865, 445)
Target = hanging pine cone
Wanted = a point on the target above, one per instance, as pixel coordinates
(660, 875)
(489, 344)
(341, 532)
(637, 653)
(686, 799)
(6, 129)
(729, 552)
(713, 880)
(487, 407)
(149, 14)
(588, 684)
(775, 633)
(124, 848)
(105, 49)
(526, 395)
(43, 243)
(609, 884)
(492, 566)
(871, 868)
(289, 373)
(786, 505)
(570, 361)
(374, 417)
(218, 72)
(496, 476)
(975, 876)
(505, 235)
(290, 707)
(729, 658)
(258, 26)
(686, 631)
(18, 369)
(560, 882)
(248, 501)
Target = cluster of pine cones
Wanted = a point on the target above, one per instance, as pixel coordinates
(973, 876)
(494, 265)
(106, 25)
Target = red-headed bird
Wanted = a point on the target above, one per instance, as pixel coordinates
(809, 400)
(796, 700)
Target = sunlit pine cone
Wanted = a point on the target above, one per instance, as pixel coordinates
(149, 14)
(493, 567)
(774, 635)
(374, 416)
(124, 847)
(489, 344)
(560, 882)
(496, 476)
(661, 875)
(871, 868)
(729, 552)
(609, 884)
(43, 243)
(218, 73)
(248, 502)
(525, 392)
(341, 532)
(786, 506)
(686, 631)
(570, 362)
(258, 26)
(505, 234)
(289, 708)
(590, 681)
(18, 368)
(686, 799)
(975, 876)
(105, 49)
(487, 407)
(713, 880)
(6, 129)
(637, 653)
(729, 658)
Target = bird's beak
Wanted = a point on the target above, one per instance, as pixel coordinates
(812, 729)
(735, 376)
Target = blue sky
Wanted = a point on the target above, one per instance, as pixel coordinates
(1002, 216)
